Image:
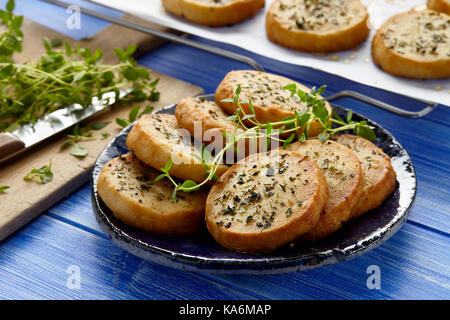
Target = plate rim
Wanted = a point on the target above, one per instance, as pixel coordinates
(257, 265)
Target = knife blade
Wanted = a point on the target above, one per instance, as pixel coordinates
(18, 141)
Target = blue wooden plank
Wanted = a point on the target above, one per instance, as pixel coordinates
(56, 17)
(414, 264)
(34, 265)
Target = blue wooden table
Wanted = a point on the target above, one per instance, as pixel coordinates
(38, 261)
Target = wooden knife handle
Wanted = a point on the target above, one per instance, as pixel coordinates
(9, 145)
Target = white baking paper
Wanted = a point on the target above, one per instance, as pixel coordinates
(356, 64)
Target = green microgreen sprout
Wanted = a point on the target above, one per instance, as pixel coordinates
(3, 188)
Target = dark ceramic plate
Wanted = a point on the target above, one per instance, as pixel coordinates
(201, 253)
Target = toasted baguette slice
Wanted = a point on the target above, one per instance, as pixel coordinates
(214, 13)
(158, 138)
(128, 188)
(414, 44)
(204, 119)
(317, 26)
(270, 101)
(379, 176)
(207, 122)
(439, 5)
(265, 201)
(344, 177)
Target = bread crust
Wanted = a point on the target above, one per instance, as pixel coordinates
(259, 206)
(270, 101)
(379, 176)
(344, 176)
(289, 23)
(396, 50)
(155, 139)
(208, 116)
(212, 13)
(206, 121)
(128, 189)
(439, 5)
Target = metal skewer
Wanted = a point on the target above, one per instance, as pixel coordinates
(430, 106)
(383, 105)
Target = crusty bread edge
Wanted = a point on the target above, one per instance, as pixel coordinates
(439, 5)
(137, 215)
(214, 16)
(144, 146)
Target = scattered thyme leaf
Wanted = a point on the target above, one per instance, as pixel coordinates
(42, 175)
(78, 150)
(99, 125)
(105, 135)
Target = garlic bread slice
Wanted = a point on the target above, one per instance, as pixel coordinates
(157, 139)
(129, 190)
(207, 122)
(271, 102)
(265, 201)
(379, 176)
(414, 44)
(204, 117)
(317, 25)
(214, 13)
(344, 176)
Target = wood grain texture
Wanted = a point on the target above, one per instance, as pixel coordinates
(23, 201)
(413, 265)
(106, 273)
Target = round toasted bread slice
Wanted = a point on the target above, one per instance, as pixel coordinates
(129, 190)
(214, 13)
(414, 44)
(379, 176)
(265, 201)
(207, 122)
(204, 119)
(439, 5)
(158, 138)
(317, 26)
(271, 102)
(344, 176)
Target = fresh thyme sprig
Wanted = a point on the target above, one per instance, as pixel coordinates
(296, 126)
(66, 76)
(11, 39)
